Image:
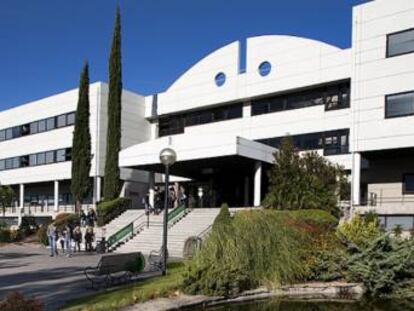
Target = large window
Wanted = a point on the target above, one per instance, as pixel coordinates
(39, 126)
(175, 124)
(408, 184)
(400, 43)
(40, 158)
(332, 142)
(399, 105)
(333, 96)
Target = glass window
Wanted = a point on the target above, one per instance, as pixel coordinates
(265, 68)
(61, 155)
(9, 133)
(235, 112)
(24, 161)
(70, 118)
(400, 43)
(16, 162)
(33, 127)
(25, 129)
(50, 157)
(406, 222)
(408, 184)
(2, 135)
(50, 124)
(16, 132)
(2, 165)
(40, 158)
(61, 120)
(259, 107)
(220, 79)
(9, 164)
(32, 160)
(69, 154)
(41, 126)
(398, 105)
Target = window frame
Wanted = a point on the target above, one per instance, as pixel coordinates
(386, 106)
(387, 52)
(404, 189)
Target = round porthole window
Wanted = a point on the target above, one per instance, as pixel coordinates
(220, 79)
(265, 68)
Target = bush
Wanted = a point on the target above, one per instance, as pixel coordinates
(16, 235)
(108, 210)
(386, 267)
(359, 231)
(28, 225)
(41, 235)
(15, 301)
(256, 247)
(4, 235)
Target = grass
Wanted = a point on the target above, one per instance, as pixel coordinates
(131, 294)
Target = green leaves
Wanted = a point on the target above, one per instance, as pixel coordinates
(81, 145)
(6, 197)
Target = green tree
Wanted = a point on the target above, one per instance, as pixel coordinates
(303, 182)
(6, 198)
(113, 141)
(81, 147)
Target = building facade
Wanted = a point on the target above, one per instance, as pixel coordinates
(227, 114)
(36, 145)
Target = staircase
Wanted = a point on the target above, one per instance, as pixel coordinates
(121, 221)
(195, 222)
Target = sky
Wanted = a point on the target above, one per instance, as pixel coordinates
(44, 43)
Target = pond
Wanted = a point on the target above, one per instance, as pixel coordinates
(275, 305)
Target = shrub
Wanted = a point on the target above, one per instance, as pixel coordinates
(4, 235)
(41, 235)
(108, 210)
(28, 225)
(359, 231)
(256, 247)
(397, 230)
(16, 301)
(386, 267)
(16, 235)
(138, 265)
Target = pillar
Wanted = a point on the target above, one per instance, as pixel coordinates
(246, 191)
(98, 188)
(257, 183)
(356, 178)
(21, 204)
(56, 196)
(151, 182)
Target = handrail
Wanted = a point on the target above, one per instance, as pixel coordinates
(178, 211)
(125, 232)
(203, 234)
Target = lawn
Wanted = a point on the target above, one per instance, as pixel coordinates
(131, 294)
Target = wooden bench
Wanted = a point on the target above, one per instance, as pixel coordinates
(113, 268)
(155, 259)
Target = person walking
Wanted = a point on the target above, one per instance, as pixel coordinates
(83, 218)
(51, 236)
(89, 236)
(68, 241)
(77, 237)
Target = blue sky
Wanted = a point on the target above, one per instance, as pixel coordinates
(44, 43)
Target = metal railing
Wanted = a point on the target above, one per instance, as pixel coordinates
(176, 213)
(127, 232)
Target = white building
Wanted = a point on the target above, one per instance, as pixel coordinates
(226, 115)
(35, 149)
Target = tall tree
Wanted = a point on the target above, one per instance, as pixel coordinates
(113, 141)
(81, 146)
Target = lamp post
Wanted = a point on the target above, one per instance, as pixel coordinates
(167, 158)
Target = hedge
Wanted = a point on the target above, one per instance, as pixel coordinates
(109, 210)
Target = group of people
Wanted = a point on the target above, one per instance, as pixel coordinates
(175, 198)
(89, 219)
(69, 238)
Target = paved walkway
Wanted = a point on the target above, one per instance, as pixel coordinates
(29, 269)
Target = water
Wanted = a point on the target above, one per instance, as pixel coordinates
(274, 305)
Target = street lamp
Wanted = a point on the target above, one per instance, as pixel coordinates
(167, 158)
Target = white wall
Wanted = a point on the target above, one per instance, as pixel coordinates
(375, 76)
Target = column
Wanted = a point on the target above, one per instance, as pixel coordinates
(356, 178)
(151, 182)
(246, 191)
(97, 189)
(21, 205)
(257, 183)
(56, 196)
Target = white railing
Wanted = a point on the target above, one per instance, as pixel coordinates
(41, 210)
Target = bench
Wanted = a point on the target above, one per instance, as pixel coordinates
(155, 260)
(114, 268)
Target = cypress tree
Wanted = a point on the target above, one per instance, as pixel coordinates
(113, 141)
(81, 146)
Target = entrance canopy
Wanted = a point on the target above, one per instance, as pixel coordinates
(196, 154)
